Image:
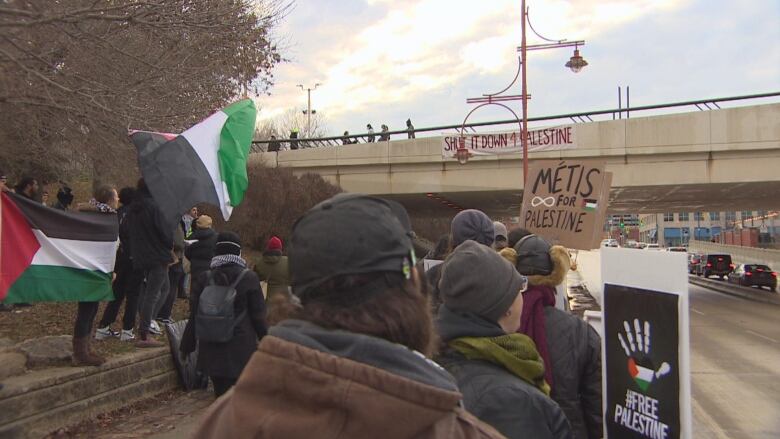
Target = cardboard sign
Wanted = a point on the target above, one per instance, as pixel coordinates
(544, 139)
(565, 201)
(645, 345)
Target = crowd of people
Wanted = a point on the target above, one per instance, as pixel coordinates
(276, 145)
(352, 333)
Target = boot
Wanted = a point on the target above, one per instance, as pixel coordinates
(82, 356)
(145, 340)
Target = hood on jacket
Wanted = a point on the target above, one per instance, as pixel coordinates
(452, 324)
(272, 259)
(561, 265)
(374, 351)
(307, 381)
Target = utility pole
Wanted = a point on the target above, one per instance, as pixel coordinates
(308, 111)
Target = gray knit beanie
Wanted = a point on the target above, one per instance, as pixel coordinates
(478, 280)
(500, 229)
(472, 224)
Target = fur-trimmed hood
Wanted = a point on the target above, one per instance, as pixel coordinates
(561, 265)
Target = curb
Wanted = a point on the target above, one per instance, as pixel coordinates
(39, 402)
(736, 290)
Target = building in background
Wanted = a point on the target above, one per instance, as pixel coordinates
(674, 229)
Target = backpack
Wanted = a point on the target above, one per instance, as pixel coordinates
(215, 319)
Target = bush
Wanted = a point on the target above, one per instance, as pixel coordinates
(275, 199)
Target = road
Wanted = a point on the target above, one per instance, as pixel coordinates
(735, 361)
(735, 366)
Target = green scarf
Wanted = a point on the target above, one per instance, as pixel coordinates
(515, 352)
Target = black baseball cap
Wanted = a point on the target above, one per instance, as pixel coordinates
(349, 234)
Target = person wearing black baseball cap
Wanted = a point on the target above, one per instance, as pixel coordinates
(353, 362)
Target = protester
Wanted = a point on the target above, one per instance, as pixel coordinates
(129, 279)
(187, 219)
(106, 201)
(200, 252)
(274, 145)
(409, 128)
(345, 138)
(470, 224)
(500, 242)
(384, 135)
(294, 139)
(175, 276)
(28, 188)
(371, 136)
(273, 268)
(152, 251)
(45, 198)
(65, 198)
(516, 235)
(499, 371)
(352, 364)
(3, 181)
(570, 347)
(224, 361)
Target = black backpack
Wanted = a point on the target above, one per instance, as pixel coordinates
(215, 319)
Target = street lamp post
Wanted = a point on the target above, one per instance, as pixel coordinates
(576, 63)
(308, 111)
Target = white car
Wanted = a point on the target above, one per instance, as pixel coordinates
(609, 243)
(653, 247)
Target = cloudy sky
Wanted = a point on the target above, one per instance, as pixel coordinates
(381, 61)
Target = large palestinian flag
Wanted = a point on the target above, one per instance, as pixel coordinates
(205, 164)
(48, 255)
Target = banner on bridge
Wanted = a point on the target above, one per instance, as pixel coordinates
(543, 139)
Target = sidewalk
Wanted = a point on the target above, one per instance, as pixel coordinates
(172, 415)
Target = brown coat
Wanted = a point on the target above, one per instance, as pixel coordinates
(289, 390)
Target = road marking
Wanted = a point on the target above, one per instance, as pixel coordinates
(762, 336)
(697, 311)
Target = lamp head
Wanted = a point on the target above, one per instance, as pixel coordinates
(576, 62)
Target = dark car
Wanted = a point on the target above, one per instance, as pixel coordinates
(754, 275)
(693, 262)
(715, 265)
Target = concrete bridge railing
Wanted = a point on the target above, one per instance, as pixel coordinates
(739, 254)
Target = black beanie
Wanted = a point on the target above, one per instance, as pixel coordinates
(228, 243)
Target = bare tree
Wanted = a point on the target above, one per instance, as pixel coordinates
(76, 74)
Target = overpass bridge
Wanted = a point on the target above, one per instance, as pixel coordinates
(724, 159)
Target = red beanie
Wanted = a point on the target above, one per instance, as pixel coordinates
(274, 244)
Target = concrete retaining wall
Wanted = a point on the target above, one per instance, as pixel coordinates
(42, 401)
(740, 255)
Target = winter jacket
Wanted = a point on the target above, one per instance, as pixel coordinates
(227, 360)
(150, 240)
(306, 381)
(575, 353)
(273, 268)
(512, 406)
(200, 252)
(574, 349)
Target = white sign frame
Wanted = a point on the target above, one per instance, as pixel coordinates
(628, 267)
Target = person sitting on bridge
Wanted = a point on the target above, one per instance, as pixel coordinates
(570, 347)
(353, 362)
(383, 136)
(499, 371)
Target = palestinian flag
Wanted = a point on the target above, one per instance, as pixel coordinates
(49, 255)
(205, 164)
(589, 204)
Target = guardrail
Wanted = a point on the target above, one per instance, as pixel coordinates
(587, 116)
(748, 293)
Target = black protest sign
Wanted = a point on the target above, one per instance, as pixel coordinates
(563, 201)
(642, 361)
